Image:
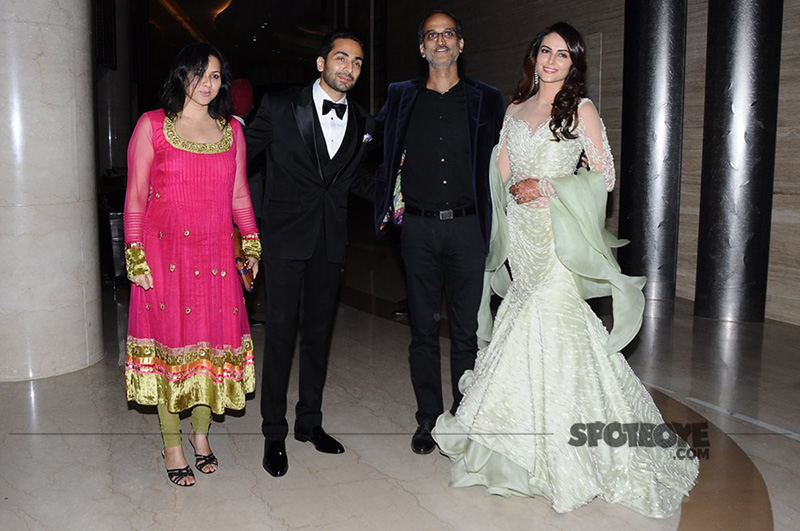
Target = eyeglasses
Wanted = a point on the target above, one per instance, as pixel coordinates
(434, 35)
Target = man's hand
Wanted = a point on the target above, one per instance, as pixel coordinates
(584, 161)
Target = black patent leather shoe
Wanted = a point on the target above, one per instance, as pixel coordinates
(401, 312)
(275, 461)
(322, 441)
(422, 442)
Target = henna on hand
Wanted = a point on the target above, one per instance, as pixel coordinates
(526, 190)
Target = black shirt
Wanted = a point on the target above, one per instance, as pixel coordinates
(437, 172)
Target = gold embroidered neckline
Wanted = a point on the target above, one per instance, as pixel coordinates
(221, 146)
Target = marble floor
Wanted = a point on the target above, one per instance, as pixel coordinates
(76, 455)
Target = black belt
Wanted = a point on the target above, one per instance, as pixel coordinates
(441, 214)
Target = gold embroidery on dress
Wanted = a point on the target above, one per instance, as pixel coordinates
(195, 374)
(223, 145)
(149, 348)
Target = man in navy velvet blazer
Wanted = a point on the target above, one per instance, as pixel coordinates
(439, 133)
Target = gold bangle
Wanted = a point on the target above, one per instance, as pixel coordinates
(251, 245)
(135, 262)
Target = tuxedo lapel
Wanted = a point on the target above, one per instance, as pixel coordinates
(352, 141)
(320, 142)
(304, 113)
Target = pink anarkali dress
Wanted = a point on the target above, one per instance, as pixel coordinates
(188, 337)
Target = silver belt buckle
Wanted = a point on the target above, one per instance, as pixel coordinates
(445, 214)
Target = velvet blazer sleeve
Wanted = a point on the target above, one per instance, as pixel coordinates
(390, 125)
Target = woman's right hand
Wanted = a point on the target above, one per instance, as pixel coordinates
(526, 190)
(143, 281)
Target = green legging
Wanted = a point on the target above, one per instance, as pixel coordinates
(171, 423)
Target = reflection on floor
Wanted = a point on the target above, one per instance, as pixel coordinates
(76, 456)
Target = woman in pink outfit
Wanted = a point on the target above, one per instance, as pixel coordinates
(189, 345)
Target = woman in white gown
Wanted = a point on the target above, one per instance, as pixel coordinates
(551, 365)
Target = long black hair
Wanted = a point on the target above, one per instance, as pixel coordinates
(188, 68)
(565, 105)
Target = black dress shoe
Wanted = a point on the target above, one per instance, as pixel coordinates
(275, 461)
(401, 312)
(422, 442)
(322, 441)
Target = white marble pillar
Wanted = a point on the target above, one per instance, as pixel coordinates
(50, 307)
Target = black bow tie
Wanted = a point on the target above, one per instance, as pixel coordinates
(340, 108)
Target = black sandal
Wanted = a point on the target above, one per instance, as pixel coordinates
(202, 461)
(175, 475)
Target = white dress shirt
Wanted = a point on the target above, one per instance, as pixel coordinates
(333, 127)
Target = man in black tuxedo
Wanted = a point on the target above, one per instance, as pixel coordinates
(315, 138)
(440, 130)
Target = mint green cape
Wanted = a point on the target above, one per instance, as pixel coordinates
(582, 244)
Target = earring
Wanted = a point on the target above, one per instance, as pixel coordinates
(535, 77)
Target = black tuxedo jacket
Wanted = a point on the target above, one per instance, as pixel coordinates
(485, 111)
(305, 192)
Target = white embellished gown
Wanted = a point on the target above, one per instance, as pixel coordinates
(546, 368)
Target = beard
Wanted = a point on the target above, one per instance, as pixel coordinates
(441, 62)
(335, 83)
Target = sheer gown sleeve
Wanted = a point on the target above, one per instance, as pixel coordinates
(592, 136)
(242, 206)
(140, 158)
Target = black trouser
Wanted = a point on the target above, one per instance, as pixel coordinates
(290, 284)
(441, 253)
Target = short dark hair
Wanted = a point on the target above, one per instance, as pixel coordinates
(190, 64)
(343, 33)
(429, 14)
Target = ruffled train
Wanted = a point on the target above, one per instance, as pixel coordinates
(545, 371)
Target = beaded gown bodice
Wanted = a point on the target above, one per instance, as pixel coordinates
(534, 152)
